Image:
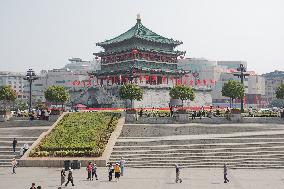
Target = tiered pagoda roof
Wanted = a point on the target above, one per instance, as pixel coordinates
(140, 32)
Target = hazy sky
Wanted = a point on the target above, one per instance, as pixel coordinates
(45, 34)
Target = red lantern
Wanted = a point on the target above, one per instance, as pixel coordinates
(147, 77)
(154, 77)
(164, 79)
(135, 51)
(212, 81)
(184, 82)
(198, 82)
(76, 82)
(191, 82)
(179, 81)
(204, 82)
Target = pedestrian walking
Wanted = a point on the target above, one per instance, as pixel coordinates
(193, 114)
(14, 145)
(14, 165)
(63, 175)
(70, 178)
(89, 169)
(178, 179)
(26, 147)
(94, 171)
(225, 174)
(33, 186)
(117, 171)
(110, 171)
(122, 166)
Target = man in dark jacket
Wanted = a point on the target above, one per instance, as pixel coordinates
(70, 178)
(14, 145)
(225, 174)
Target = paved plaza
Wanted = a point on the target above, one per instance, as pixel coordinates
(137, 178)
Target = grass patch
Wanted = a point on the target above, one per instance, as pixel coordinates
(82, 134)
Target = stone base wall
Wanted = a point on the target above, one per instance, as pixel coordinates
(215, 120)
(154, 96)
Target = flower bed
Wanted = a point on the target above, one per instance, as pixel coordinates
(82, 134)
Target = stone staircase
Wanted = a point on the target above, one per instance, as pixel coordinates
(197, 145)
(24, 132)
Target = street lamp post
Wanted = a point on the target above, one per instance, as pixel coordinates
(30, 77)
(241, 73)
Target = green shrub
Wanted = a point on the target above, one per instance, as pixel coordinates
(78, 135)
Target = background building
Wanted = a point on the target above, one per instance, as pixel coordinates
(15, 80)
(213, 75)
(77, 65)
(272, 81)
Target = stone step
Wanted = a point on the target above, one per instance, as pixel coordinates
(243, 158)
(175, 154)
(197, 141)
(8, 160)
(208, 161)
(9, 148)
(4, 156)
(199, 146)
(19, 138)
(25, 123)
(211, 166)
(205, 165)
(9, 153)
(216, 150)
(20, 143)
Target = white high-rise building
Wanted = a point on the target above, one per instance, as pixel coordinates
(15, 80)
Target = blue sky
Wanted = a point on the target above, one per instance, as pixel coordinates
(45, 34)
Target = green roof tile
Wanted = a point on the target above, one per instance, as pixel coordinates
(140, 32)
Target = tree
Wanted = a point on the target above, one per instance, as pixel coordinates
(280, 92)
(234, 90)
(56, 94)
(131, 92)
(182, 92)
(7, 95)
